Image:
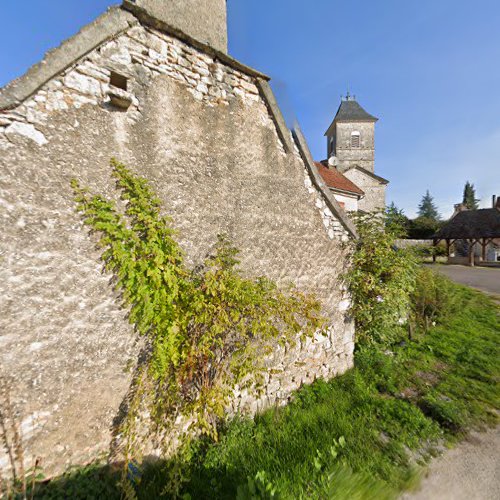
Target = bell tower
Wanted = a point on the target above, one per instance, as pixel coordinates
(203, 20)
(351, 136)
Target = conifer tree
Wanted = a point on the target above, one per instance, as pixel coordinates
(427, 208)
(470, 200)
(396, 218)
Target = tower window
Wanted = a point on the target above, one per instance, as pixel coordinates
(355, 140)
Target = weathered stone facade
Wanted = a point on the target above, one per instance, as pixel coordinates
(362, 156)
(374, 198)
(205, 132)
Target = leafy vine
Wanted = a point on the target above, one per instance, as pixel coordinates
(207, 328)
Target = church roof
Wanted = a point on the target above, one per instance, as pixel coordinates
(351, 111)
(335, 180)
(472, 224)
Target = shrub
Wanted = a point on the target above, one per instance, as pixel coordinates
(422, 228)
(380, 279)
(426, 251)
(434, 299)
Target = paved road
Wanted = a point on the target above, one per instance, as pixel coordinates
(471, 471)
(486, 279)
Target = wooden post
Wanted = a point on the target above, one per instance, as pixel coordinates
(448, 249)
(434, 246)
(484, 244)
(471, 253)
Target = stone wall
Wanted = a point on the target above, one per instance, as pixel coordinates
(374, 198)
(203, 134)
(407, 243)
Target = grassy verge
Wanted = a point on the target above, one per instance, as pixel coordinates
(362, 435)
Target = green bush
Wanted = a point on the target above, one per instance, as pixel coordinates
(422, 228)
(427, 251)
(380, 279)
(434, 299)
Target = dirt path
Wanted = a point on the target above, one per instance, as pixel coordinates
(471, 471)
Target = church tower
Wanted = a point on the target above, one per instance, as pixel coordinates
(351, 136)
(351, 143)
(203, 20)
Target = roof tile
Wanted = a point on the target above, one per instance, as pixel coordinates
(334, 179)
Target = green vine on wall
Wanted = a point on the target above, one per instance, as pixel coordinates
(207, 328)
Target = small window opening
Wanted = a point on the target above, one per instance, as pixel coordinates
(118, 81)
(355, 140)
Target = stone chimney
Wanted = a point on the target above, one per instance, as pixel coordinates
(203, 20)
(459, 207)
(496, 202)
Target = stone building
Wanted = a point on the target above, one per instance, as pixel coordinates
(149, 83)
(351, 154)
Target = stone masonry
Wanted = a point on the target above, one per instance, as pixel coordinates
(207, 134)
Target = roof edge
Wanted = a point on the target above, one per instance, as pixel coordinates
(370, 174)
(112, 23)
(275, 111)
(317, 180)
(345, 191)
(367, 119)
(108, 25)
(360, 193)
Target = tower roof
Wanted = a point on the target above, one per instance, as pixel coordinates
(351, 111)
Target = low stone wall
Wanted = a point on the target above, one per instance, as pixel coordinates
(413, 243)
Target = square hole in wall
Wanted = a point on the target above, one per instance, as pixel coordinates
(118, 81)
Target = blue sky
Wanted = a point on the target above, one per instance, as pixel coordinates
(429, 69)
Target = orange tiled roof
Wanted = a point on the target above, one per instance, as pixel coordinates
(335, 180)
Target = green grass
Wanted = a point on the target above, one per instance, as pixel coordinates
(392, 411)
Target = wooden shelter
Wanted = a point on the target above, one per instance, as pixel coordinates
(476, 227)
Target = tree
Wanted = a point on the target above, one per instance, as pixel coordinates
(395, 218)
(427, 208)
(470, 200)
(380, 279)
(423, 228)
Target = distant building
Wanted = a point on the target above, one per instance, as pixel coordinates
(472, 236)
(350, 169)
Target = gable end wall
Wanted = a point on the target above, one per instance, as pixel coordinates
(201, 132)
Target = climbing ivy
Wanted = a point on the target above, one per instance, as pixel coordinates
(207, 328)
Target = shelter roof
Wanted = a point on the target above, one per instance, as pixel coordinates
(472, 224)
